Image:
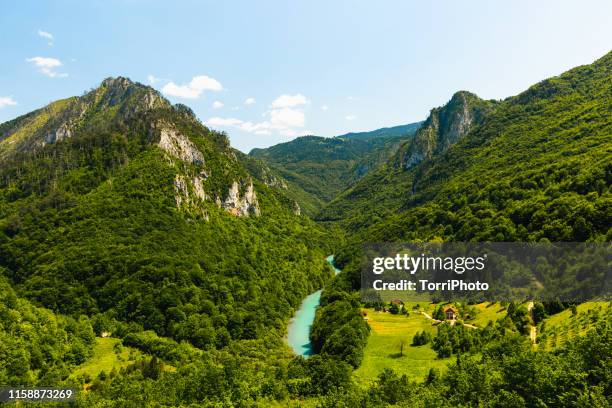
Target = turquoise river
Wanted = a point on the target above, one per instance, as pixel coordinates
(298, 333)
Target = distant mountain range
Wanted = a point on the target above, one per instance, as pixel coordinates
(394, 131)
(323, 167)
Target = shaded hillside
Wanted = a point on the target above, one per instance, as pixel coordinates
(323, 167)
(303, 202)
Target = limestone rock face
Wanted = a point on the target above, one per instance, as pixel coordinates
(180, 187)
(189, 194)
(61, 133)
(444, 127)
(198, 187)
(178, 146)
(242, 206)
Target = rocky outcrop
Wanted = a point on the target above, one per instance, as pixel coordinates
(190, 194)
(115, 91)
(444, 127)
(61, 133)
(198, 187)
(181, 190)
(177, 145)
(244, 205)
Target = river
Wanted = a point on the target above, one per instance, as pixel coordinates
(298, 332)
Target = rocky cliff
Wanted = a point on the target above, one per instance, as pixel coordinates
(123, 119)
(443, 128)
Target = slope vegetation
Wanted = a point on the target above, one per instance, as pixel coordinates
(323, 167)
(534, 166)
(121, 206)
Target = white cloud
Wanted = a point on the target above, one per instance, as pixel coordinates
(152, 79)
(289, 101)
(46, 35)
(350, 117)
(7, 101)
(235, 108)
(223, 122)
(217, 104)
(284, 121)
(324, 107)
(287, 118)
(249, 101)
(194, 88)
(283, 117)
(47, 66)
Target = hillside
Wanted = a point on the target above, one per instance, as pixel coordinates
(122, 207)
(534, 166)
(323, 167)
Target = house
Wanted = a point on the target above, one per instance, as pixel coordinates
(450, 313)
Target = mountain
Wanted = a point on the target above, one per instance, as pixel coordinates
(124, 208)
(536, 166)
(401, 130)
(323, 167)
(444, 127)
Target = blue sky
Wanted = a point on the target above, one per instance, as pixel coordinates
(268, 71)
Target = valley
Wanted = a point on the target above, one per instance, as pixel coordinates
(140, 250)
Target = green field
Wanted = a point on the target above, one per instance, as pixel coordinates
(559, 328)
(487, 312)
(383, 348)
(105, 358)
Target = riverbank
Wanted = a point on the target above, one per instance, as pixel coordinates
(298, 331)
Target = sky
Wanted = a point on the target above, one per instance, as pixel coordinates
(268, 71)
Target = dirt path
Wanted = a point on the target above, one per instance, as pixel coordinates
(533, 331)
(427, 315)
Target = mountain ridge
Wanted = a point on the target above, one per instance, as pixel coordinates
(323, 167)
(511, 177)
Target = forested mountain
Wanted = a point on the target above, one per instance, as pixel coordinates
(534, 166)
(122, 207)
(324, 167)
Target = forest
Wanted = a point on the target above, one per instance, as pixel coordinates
(130, 234)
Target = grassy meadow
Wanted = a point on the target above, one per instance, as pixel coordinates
(383, 348)
(108, 354)
(487, 312)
